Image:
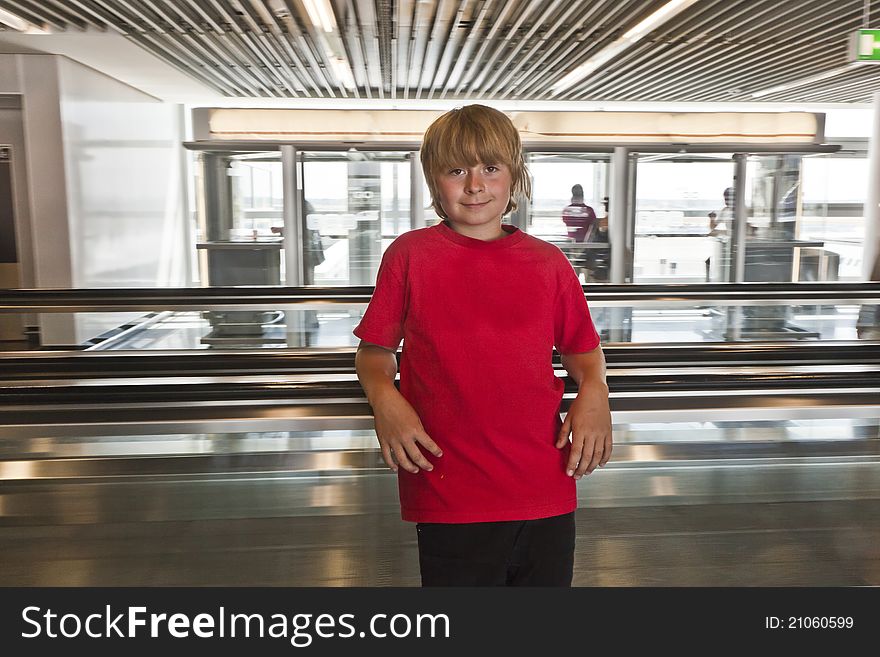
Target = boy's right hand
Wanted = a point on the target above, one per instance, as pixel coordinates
(400, 433)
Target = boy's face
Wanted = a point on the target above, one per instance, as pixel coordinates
(475, 197)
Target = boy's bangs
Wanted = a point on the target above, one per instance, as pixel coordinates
(466, 145)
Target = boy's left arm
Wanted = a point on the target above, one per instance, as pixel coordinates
(588, 419)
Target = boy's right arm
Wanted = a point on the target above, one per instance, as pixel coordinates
(398, 426)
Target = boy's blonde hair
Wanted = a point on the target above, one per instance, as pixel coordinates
(469, 135)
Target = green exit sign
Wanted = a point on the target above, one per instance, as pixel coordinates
(866, 46)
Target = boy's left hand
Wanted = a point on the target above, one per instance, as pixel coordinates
(589, 422)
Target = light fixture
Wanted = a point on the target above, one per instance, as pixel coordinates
(321, 14)
(667, 11)
(15, 22)
(808, 80)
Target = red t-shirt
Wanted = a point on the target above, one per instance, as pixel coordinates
(479, 321)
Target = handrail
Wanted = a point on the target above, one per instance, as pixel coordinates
(28, 365)
(231, 298)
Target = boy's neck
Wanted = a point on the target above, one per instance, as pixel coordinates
(485, 232)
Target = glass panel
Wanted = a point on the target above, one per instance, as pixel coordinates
(834, 192)
(357, 203)
(327, 325)
(240, 216)
(684, 218)
(773, 247)
(569, 208)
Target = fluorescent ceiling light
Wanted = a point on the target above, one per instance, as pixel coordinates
(321, 14)
(15, 22)
(342, 71)
(808, 80)
(19, 24)
(667, 11)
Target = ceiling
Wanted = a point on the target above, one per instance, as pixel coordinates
(710, 51)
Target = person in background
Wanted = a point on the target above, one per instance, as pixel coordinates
(578, 216)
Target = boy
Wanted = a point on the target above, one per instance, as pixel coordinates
(485, 465)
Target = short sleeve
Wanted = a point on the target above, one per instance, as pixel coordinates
(382, 323)
(573, 330)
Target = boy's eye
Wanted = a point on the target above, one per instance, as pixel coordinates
(491, 168)
(456, 172)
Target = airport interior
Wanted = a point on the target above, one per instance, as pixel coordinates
(195, 198)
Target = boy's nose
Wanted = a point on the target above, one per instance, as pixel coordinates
(474, 182)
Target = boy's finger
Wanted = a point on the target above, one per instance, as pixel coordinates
(606, 454)
(416, 456)
(574, 457)
(386, 456)
(586, 455)
(563, 433)
(597, 456)
(403, 459)
(430, 445)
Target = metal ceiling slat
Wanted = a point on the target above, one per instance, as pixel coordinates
(201, 43)
(52, 9)
(161, 51)
(161, 44)
(737, 70)
(310, 44)
(312, 75)
(296, 43)
(410, 47)
(248, 64)
(384, 11)
(716, 50)
(280, 47)
(808, 64)
(848, 88)
(267, 49)
(255, 38)
(660, 58)
(470, 41)
(496, 24)
(86, 10)
(856, 78)
(217, 42)
(622, 26)
(350, 34)
(559, 44)
(733, 60)
(368, 45)
(85, 17)
(432, 47)
(696, 56)
(510, 40)
(819, 62)
(451, 48)
(36, 17)
(724, 60)
(395, 50)
(419, 43)
(268, 35)
(527, 45)
(547, 37)
(624, 14)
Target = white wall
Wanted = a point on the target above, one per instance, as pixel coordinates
(123, 157)
(105, 170)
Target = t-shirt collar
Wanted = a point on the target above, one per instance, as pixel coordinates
(514, 236)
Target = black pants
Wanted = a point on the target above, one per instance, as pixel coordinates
(510, 553)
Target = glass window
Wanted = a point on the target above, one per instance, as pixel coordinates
(569, 208)
(834, 193)
(356, 204)
(684, 218)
